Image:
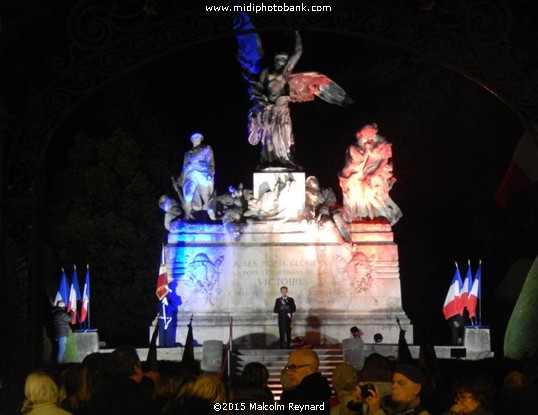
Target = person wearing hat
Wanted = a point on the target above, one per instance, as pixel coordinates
(407, 382)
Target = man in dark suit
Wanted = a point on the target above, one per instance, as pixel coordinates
(284, 307)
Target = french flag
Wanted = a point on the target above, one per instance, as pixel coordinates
(474, 295)
(467, 284)
(452, 301)
(85, 307)
(74, 296)
(162, 279)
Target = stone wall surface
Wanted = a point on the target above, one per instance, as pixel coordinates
(335, 285)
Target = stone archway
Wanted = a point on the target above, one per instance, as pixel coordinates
(107, 42)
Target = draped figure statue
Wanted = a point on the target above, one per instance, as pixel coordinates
(367, 178)
(195, 185)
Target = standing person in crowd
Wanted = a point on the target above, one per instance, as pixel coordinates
(253, 388)
(60, 329)
(407, 382)
(354, 348)
(344, 379)
(207, 390)
(75, 390)
(376, 372)
(41, 396)
(473, 397)
(311, 387)
(122, 392)
(284, 307)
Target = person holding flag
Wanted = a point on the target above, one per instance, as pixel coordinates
(169, 303)
(60, 329)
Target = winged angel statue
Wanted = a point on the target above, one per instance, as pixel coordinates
(271, 90)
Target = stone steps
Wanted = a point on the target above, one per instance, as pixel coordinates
(276, 359)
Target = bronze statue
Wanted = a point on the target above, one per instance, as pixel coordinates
(271, 90)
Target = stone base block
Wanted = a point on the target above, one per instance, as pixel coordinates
(87, 343)
(477, 338)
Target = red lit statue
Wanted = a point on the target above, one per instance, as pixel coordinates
(367, 178)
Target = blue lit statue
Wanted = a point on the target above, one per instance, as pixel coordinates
(195, 185)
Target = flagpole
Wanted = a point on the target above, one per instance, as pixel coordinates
(75, 275)
(230, 349)
(480, 291)
(88, 269)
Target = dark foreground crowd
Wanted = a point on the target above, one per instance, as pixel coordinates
(117, 383)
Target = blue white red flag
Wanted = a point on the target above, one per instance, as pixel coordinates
(162, 280)
(63, 290)
(475, 293)
(74, 296)
(451, 306)
(85, 307)
(466, 288)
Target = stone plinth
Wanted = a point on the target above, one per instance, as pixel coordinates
(336, 285)
(353, 351)
(477, 338)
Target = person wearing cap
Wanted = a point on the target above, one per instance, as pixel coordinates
(195, 185)
(407, 382)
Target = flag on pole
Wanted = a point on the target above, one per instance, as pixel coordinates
(404, 353)
(188, 350)
(162, 280)
(466, 288)
(85, 306)
(474, 295)
(63, 290)
(523, 168)
(74, 296)
(452, 301)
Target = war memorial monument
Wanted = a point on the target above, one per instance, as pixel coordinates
(339, 260)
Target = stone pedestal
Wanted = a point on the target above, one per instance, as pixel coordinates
(87, 343)
(353, 351)
(335, 284)
(477, 339)
(212, 356)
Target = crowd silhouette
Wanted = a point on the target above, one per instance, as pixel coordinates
(119, 383)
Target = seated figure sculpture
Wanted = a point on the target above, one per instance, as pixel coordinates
(367, 178)
(195, 185)
(318, 202)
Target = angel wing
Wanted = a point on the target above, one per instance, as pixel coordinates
(308, 85)
(250, 55)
